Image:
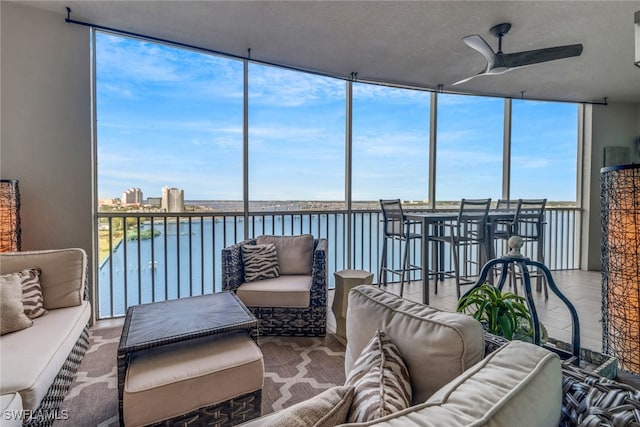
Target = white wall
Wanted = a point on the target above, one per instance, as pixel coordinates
(45, 117)
(616, 124)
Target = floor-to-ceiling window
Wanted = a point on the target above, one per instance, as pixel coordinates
(390, 144)
(296, 155)
(296, 139)
(469, 148)
(166, 117)
(390, 152)
(544, 151)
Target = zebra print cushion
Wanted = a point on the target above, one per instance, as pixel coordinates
(31, 292)
(260, 262)
(381, 381)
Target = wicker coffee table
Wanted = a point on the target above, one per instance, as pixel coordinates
(157, 324)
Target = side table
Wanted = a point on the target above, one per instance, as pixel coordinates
(345, 281)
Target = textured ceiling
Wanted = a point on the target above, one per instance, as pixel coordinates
(407, 42)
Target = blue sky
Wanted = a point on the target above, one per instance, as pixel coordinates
(168, 116)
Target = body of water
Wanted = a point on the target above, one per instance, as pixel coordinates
(185, 258)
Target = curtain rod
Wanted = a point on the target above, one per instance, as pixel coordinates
(353, 77)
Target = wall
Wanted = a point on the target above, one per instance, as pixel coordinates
(616, 124)
(45, 120)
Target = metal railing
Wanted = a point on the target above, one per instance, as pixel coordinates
(151, 256)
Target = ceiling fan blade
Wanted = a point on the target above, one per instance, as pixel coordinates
(459, 82)
(476, 42)
(520, 59)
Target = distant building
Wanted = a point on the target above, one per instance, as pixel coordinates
(172, 199)
(109, 202)
(132, 196)
(154, 201)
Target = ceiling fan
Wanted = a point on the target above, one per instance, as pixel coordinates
(499, 62)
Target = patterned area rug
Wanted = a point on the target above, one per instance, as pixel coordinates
(295, 369)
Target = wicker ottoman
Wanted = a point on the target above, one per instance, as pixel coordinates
(215, 381)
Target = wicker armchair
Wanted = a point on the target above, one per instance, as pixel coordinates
(284, 321)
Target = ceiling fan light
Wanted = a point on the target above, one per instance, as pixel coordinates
(637, 39)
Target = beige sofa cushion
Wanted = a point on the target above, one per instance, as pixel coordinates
(436, 345)
(179, 378)
(295, 253)
(62, 273)
(43, 349)
(292, 291)
(518, 385)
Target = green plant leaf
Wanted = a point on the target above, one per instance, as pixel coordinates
(506, 327)
(504, 314)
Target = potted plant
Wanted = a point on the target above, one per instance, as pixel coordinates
(504, 314)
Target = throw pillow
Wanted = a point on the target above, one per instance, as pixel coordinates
(32, 293)
(295, 253)
(329, 409)
(12, 317)
(260, 262)
(381, 381)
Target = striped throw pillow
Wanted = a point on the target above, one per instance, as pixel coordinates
(381, 381)
(31, 293)
(260, 262)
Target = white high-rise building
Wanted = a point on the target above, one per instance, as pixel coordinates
(172, 199)
(132, 196)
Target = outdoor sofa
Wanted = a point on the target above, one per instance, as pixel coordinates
(461, 376)
(38, 362)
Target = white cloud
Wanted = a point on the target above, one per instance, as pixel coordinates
(394, 144)
(127, 66)
(529, 163)
(368, 92)
(454, 136)
(452, 100)
(277, 87)
(464, 158)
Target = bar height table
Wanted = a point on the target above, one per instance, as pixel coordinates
(430, 220)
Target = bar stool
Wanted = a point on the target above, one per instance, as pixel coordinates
(468, 231)
(502, 228)
(528, 223)
(396, 228)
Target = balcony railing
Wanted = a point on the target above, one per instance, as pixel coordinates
(147, 257)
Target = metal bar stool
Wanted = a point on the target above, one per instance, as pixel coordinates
(396, 228)
(528, 223)
(467, 240)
